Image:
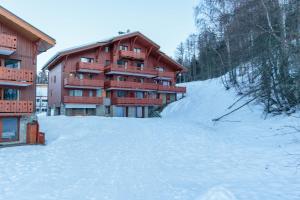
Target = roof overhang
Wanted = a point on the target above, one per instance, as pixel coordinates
(140, 36)
(43, 40)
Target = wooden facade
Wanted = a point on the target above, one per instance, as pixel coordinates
(20, 43)
(127, 70)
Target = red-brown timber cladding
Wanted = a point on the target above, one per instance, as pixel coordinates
(105, 67)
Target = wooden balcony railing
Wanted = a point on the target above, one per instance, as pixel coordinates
(16, 106)
(132, 55)
(8, 44)
(83, 100)
(130, 85)
(90, 67)
(19, 75)
(83, 83)
(136, 101)
(169, 75)
(171, 89)
(138, 71)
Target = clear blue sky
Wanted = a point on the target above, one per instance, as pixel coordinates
(76, 22)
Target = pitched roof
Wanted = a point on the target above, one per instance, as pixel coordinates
(44, 41)
(92, 45)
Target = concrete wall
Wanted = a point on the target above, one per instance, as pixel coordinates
(100, 110)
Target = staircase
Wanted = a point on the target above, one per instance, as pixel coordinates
(156, 112)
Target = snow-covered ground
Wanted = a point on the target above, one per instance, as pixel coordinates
(182, 156)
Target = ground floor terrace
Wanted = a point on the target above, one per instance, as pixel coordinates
(117, 104)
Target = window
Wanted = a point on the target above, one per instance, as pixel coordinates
(99, 92)
(152, 95)
(166, 83)
(11, 63)
(79, 76)
(90, 76)
(137, 50)
(38, 100)
(140, 65)
(87, 60)
(54, 79)
(106, 49)
(10, 129)
(11, 94)
(121, 78)
(138, 80)
(108, 94)
(124, 48)
(160, 69)
(139, 95)
(121, 93)
(107, 62)
(91, 93)
(44, 100)
(75, 93)
(122, 63)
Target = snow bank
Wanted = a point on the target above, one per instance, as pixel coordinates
(207, 100)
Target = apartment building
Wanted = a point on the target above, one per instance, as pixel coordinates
(41, 98)
(20, 44)
(124, 76)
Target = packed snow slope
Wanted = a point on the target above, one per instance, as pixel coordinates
(181, 156)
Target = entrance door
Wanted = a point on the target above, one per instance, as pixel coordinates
(139, 112)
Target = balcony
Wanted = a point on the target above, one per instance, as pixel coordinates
(127, 101)
(132, 55)
(16, 77)
(130, 70)
(85, 67)
(165, 75)
(83, 100)
(83, 83)
(125, 85)
(8, 44)
(171, 89)
(16, 107)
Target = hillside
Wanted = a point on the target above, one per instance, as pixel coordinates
(181, 156)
